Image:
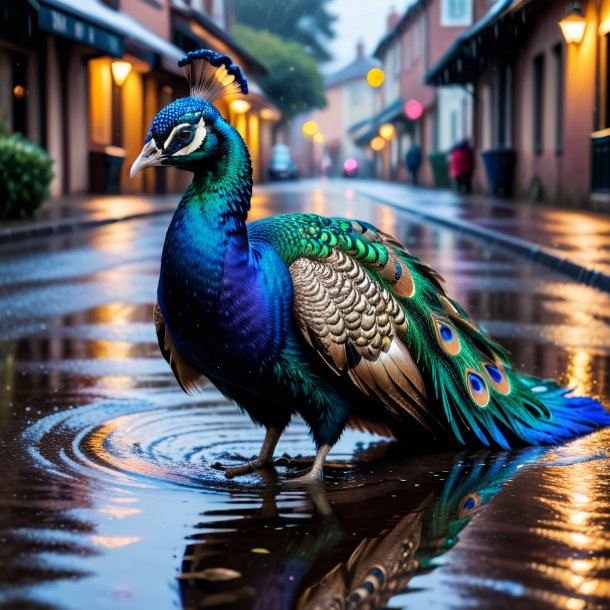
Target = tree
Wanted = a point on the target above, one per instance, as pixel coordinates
(293, 81)
(307, 22)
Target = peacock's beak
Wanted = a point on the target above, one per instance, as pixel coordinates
(149, 156)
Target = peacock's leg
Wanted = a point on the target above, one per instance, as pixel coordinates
(315, 473)
(272, 437)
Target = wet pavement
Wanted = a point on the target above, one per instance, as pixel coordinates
(109, 495)
(576, 235)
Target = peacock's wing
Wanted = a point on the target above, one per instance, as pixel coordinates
(375, 311)
(356, 325)
(189, 378)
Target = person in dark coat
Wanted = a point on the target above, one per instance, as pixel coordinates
(413, 163)
(461, 161)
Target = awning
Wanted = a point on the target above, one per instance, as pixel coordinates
(464, 60)
(363, 132)
(95, 24)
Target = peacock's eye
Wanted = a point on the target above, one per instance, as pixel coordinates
(185, 133)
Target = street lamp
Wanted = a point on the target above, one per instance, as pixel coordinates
(120, 71)
(573, 24)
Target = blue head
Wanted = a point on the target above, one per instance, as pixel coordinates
(190, 129)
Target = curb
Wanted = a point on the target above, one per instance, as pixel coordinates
(535, 252)
(64, 226)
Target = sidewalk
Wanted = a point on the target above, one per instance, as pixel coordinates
(73, 213)
(570, 241)
(573, 242)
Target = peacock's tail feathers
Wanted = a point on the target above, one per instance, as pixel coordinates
(463, 370)
(211, 75)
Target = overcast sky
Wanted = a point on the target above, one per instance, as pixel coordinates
(364, 19)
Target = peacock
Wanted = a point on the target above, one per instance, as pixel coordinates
(327, 318)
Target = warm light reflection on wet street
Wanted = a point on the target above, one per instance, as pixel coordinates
(108, 486)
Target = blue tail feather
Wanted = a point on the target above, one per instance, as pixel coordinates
(569, 416)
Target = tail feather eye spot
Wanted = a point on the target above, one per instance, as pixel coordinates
(448, 338)
(498, 378)
(477, 388)
(468, 505)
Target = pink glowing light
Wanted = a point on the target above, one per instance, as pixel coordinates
(350, 165)
(413, 109)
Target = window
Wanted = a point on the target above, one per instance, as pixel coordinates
(456, 13)
(559, 81)
(538, 110)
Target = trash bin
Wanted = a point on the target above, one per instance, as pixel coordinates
(114, 157)
(439, 162)
(500, 169)
(105, 165)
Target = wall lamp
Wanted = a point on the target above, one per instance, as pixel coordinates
(573, 24)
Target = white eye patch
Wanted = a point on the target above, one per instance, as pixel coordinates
(200, 133)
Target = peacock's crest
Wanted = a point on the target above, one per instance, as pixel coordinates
(211, 75)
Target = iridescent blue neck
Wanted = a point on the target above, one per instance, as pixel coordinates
(208, 235)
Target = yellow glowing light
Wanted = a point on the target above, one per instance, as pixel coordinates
(573, 26)
(387, 131)
(240, 106)
(120, 71)
(377, 143)
(269, 115)
(19, 91)
(310, 128)
(318, 138)
(375, 77)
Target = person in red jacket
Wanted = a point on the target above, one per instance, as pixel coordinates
(462, 166)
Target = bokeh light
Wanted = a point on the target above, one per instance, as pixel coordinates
(310, 128)
(413, 109)
(375, 77)
(377, 143)
(387, 131)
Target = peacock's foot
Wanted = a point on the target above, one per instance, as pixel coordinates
(253, 466)
(311, 477)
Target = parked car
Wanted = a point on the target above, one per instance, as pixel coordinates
(282, 166)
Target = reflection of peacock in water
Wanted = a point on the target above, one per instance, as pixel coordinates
(325, 317)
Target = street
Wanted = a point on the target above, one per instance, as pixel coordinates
(109, 490)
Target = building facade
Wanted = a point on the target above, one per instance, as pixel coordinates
(84, 78)
(539, 101)
(438, 117)
(349, 100)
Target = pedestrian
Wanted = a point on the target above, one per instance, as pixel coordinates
(462, 165)
(413, 163)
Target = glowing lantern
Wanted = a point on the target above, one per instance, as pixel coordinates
(375, 77)
(387, 131)
(240, 106)
(573, 24)
(120, 71)
(377, 143)
(413, 110)
(310, 128)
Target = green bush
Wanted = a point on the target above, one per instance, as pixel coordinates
(25, 174)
